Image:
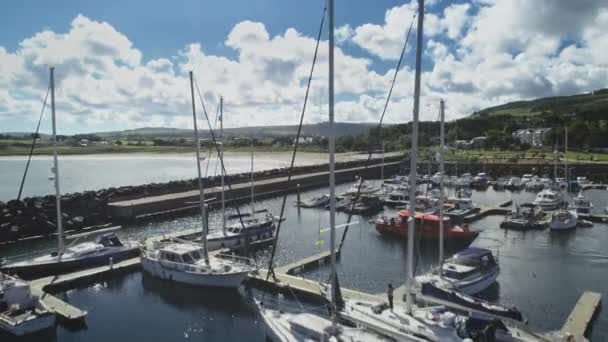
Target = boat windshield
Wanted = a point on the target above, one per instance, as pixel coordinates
(187, 259)
(195, 255)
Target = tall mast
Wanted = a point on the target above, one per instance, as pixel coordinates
(222, 163)
(332, 179)
(566, 160)
(252, 186)
(198, 168)
(441, 171)
(382, 166)
(60, 246)
(413, 155)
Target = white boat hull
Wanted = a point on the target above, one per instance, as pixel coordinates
(29, 325)
(229, 280)
(558, 225)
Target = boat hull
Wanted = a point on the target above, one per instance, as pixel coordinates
(230, 280)
(236, 241)
(29, 326)
(460, 236)
(29, 271)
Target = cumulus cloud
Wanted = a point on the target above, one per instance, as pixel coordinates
(477, 54)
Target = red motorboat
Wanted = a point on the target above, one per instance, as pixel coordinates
(427, 228)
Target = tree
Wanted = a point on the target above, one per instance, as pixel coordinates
(118, 142)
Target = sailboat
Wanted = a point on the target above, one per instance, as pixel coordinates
(249, 227)
(188, 262)
(75, 256)
(281, 326)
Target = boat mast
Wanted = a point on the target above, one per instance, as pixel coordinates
(60, 246)
(252, 186)
(566, 159)
(382, 167)
(222, 163)
(332, 179)
(441, 171)
(413, 155)
(198, 167)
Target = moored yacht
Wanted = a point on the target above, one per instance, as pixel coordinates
(86, 254)
(581, 204)
(470, 271)
(514, 184)
(563, 219)
(21, 313)
(315, 202)
(549, 199)
(184, 262)
(361, 187)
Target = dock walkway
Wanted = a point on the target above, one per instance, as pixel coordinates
(582, 315)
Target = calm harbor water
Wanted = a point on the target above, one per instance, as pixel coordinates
(542, 273)
(94, 172)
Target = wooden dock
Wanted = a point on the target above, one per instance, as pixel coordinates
(307, 263)
(582, 315)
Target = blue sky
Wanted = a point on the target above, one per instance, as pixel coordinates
(123, 64)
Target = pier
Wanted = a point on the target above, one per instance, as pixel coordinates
(178, 202)
(582, 315)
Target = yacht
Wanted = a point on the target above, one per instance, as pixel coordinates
(549, 199)
(188, 262)
(534, 185)
(86, 254)
(471, 271)
(562, 183)
(563, 219)
(481, 180)
(514, 183)
(462, 206)
(21, 313)
(184, 262)
(525, 217)
(526, 178)
(582, 181)
(237, 234)
(465, 180)
(581, 204)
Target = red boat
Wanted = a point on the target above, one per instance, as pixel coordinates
(427, 228)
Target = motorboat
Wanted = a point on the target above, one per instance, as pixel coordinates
(534, 184)
(462, 206)
(283, 326)
(563, 219)
(22, 313)
(365, 205)
(105, 249)
(184, 262)
(562, 183)
(525, 217)
(396, 179)
(427, 228)
(526, 178)
(514, 184)
(549, 199)
(581, 204)
(396, 198)
(500, 184)
(470, 271)
(314, 202)
(361, 187)
(465, 180)
(582, 181)
(481, 181)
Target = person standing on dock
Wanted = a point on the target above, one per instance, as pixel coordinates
(389, 293)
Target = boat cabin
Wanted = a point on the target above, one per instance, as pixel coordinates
(109, 240)
(468, 262)
(181, 253)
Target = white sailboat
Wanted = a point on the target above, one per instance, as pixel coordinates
(75, 256)
(188, 262)
(21, 313)
(563, 219)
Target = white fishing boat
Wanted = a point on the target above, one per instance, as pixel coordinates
(500, 184)
(514, 183)
(563, 219)
(534, 184)
(188, 262)
(581, 204)
(21, 313)
(582, 181)
(549, 199)
(471, 271)
(481, 180)
(465, 180)
(562, 183)
(527, 177)
(85, 254)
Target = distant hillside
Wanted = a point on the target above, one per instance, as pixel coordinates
(318, 129)
(590, 106)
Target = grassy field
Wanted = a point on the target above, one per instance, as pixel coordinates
(526, 155)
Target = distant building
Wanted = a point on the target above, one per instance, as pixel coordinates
(304, 140)
(477, 142)
(531, 136)
(524, 136)
(539, 135)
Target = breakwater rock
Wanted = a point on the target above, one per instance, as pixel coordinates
(35, 216)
